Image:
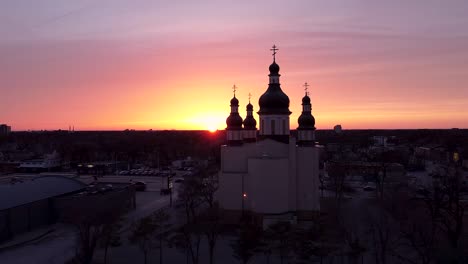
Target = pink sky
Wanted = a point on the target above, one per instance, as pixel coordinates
(141, 64)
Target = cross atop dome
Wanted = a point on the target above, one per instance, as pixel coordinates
(274, 49)
(306, 88)
(234, 89)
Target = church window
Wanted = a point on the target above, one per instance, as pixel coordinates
(273, 127)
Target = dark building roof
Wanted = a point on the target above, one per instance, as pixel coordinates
(12, 195)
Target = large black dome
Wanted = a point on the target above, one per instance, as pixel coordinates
(274, 101)
(250, 123)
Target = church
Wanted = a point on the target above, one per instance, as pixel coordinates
(267, 171)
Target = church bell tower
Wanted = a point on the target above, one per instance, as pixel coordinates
(274, 107)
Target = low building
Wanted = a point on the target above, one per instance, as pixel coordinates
(4, 130)
(367, 171)
(30, 204)
(50, 162)
(100, 168)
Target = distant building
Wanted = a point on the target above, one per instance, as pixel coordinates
(380, 141)
(338, 129)
(99, 167)
(4, 130)
(49, 163)
(269, 172)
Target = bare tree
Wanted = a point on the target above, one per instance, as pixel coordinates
(91, 215)
(161, 224)
(110, 237)
(337, 173)
(446, 207)
(248, 243)
(188, 237)
(142, 234)
(280, 234)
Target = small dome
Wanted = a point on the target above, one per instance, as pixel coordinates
(274, 68)
(306, 100)
(234, 121)
(234, 101)
(249, 107)
(306, 121)
(250, 123)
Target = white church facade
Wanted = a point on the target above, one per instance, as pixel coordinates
(267, 171)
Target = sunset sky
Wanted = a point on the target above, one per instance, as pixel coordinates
(146, 64)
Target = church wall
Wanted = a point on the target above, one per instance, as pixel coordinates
(233, 168)
(249, 134)
(307, 178)
(267, 180)
(281, 125)
(233, 159)
(292, 175)
(308, 135)
(271, 148)
(229, 193)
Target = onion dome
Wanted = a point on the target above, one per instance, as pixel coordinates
(234, 101)
(249, 122)
(274, 100)
(274, 69)
(249, 107)
(306, 120)
(234, 121)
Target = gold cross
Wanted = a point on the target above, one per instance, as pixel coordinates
(249, 97)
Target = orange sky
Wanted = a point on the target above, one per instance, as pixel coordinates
(111, 65)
